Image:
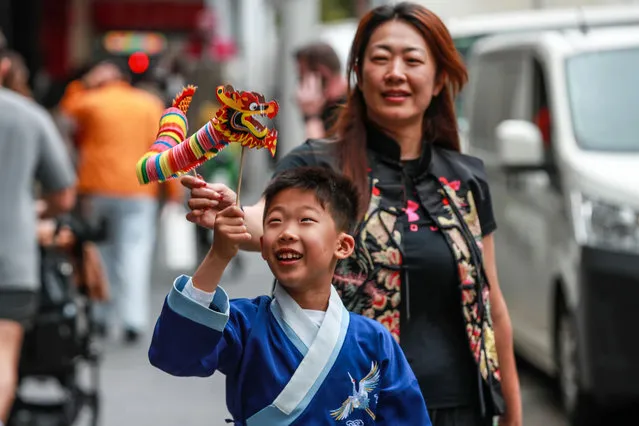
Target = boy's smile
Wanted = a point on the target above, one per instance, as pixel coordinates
(288, 256)
(300, 241)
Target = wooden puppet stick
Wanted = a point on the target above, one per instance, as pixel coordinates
(239, 177)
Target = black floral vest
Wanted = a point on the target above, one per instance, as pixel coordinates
(369, 282)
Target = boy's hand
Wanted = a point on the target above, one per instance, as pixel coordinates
(206, 200)
(229, 232)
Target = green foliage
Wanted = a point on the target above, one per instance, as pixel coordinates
(336, 10)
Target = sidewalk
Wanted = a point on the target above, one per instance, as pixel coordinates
(136, 393)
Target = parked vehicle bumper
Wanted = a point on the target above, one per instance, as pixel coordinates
(608, 319)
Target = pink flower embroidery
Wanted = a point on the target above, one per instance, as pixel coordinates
(454, 185)
(379, 301)
(411, 211)
(465, 273)
(390, 319)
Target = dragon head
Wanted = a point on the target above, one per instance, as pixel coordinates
(239, 117)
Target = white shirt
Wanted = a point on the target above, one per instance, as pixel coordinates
(205, 298)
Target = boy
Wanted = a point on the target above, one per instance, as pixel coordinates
(298, 357)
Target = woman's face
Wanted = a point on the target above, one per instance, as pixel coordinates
(398, 75)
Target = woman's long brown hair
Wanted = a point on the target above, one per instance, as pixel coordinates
(440, 123)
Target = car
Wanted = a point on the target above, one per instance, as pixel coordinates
(552, 114)
(467, 30)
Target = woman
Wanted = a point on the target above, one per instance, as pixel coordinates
(425, 263)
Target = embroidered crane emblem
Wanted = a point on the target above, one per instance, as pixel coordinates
(359, 399)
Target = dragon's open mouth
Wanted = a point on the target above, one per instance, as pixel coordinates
(255, 122)
(255, 126)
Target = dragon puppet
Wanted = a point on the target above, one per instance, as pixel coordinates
(173, 155)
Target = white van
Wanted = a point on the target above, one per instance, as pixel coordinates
(468, 30)
(555, 117)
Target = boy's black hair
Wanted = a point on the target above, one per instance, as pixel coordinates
(334, 192)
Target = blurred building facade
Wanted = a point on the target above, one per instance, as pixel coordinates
(253, 38)
(58, 36)
(73, 30)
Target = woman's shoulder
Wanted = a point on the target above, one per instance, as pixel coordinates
(313, 152)
(317, 146)
(466, 167)
(463, 172)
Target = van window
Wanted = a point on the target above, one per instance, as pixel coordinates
(604, 99)
(543, 117)
(501, 90)
(541, 105)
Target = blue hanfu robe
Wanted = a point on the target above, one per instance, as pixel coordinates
(281, 368)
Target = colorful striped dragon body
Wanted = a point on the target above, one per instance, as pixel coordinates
(173, 155)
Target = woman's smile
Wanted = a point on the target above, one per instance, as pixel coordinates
(395, 96)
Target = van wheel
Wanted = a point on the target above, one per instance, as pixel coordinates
(575, 402)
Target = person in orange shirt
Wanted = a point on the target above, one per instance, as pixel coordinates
(114, 125)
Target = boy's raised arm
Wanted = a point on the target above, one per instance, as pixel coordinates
(229, 232)
(207, 200)
(189, 338)
(197, 332)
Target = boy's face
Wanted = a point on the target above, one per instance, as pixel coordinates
(300, 242)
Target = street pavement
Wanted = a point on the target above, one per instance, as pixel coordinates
(135, 393)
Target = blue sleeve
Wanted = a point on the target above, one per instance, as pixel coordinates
(400, 399)
(192, 340)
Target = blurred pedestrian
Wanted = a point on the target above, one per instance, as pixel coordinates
(322, 87)
(115, 124)
(17, 76)
(174, 69)
(31, 151)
